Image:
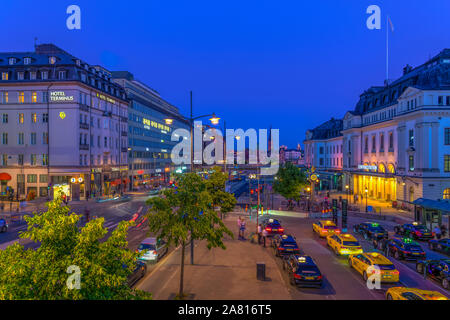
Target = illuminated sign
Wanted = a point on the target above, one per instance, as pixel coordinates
(155, 124)
(62, 115)
(366, 167)
(105, 98)
(57, 96)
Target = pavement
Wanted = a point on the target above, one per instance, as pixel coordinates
(219, 274)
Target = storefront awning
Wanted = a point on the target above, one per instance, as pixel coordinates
(5, 176)
(443, 206)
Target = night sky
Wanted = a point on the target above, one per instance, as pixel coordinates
(290, 64)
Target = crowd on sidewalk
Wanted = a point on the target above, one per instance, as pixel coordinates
(261, 233)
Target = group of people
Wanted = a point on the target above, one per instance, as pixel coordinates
(262, 233)
(439, 231)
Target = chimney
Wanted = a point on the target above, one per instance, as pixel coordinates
(407, 69)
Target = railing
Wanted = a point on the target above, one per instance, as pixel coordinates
(84, 147)
(84, 126)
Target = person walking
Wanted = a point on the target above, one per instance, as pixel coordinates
(243, 229)
(437, 232)
(259, 233)
(239, 222)
(443, 231)
(86, 213)
(264, 235)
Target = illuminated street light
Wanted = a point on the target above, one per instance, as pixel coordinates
(214, 120)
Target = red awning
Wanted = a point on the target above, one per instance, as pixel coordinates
(4, 176)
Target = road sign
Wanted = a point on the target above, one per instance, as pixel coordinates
(344, 215)
(314, 177)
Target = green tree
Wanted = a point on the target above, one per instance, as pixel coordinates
(186, 212)
(289, 182)
(42, 273)
(215, 184)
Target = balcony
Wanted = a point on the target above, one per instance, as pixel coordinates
(84, 147)
(84, 126)
(124, 134)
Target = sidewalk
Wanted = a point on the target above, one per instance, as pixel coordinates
(219, 274)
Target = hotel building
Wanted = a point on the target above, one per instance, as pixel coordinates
(62, 126)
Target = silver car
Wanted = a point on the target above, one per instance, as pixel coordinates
(153, 249)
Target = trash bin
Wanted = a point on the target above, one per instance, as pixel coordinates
(261, 271)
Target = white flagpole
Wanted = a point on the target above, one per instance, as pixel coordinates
(387, 50)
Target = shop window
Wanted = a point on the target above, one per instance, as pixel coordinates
(446, 195)
(411, 194)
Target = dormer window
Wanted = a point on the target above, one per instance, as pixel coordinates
(12, 61)
(52, 60)
(61, 75)
(78, 62)
(27, 61)
(33, 75)
(44, 75)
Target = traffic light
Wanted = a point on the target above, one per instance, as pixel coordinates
(251, 191)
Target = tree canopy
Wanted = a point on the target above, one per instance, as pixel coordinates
(46, 273)
(289, 182)
(215, 184)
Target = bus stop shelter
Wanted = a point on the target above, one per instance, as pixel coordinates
(430, 212)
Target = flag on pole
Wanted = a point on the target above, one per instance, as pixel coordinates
(390, 24)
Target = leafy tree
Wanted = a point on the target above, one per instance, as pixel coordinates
(42, 274)
(289, 182)
(215, 184)
(184, 213)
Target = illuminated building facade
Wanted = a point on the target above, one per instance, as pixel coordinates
(62, 126)
(149, 135)
(397, 140)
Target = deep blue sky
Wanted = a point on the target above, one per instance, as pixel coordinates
(291, 64)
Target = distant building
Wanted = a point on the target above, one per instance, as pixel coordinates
(61, 126)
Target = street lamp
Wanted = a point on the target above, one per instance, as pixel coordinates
(309, 198)
(347, 188)
(366, 191)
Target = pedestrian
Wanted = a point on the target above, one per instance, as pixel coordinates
(86, 213)
(87, 195)
(259, 233)
(443, 230)
(243, 229)
(239, 227)
(437, 232)
(264, 235)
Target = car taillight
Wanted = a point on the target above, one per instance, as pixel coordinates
(297, 276)
(407, 252)
(268, 229)
(281, 229)
(154, 252)
(324, 230)
(395, 273)
(319, 277)
(280, 248)
(337, 231)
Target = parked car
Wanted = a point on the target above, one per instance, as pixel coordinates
(414, 230)
(3, 225)
(153, 249)
(436, 269)
(285, 245)
(405, 248)
(303, 271)
(402, 293)
(442, 245)
(273, 227)
(370, 230)
(138, 273)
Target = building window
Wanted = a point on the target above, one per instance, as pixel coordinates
(5, 118)
(446, 195)
(382, 142)
(52, 60)
(366, 145)
(374, 144)
(21, 118)
(33, 159)
(20, 138)
(447, 163)
(5, 138)
(20, 161)
(45, 159)
(44, 75)
(26, 60)
(5, 76)
(105, 142)
(20, 75)
(33, 138)
(411, 163)
(447, 136)
(411, 194)
(45, 118)
(61, 75)
(391, 142)
(447, 100)
(33, 75)
(4, 160)
(34, 118)
(31, 178)
(12, 61)
(45, 138)
(321, 161)
(5, 97)
(21, 97)
(411, 138)
(34, 97)
(440, 100)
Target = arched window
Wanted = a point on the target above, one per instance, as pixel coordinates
(446, 194)
(381, 168)
(391, 168)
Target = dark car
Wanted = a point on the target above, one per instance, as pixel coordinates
(405, 248)
(302, 271)
(3, 225)
(138, 273)
(414, 230)
(436, 269)
(272, 227)
(370, 230)
(442, 245)
(285, 245)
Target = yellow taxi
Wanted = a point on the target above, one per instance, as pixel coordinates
(401, 293)
(373, 262)
(344, 244)
(325, 227)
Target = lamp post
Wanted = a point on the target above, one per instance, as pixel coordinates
(214, 120)
(347, 188)
(309, 198)
(366, 191)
